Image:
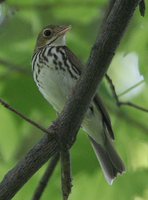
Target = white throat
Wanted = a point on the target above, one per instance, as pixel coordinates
(61, 41)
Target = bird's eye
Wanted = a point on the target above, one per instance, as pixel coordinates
(47, 32)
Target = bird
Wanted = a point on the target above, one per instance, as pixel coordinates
(56, 70)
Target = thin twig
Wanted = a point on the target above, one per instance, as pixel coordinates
(6, 105)
(120, 103)
(130, 88)
(46, 177)
(141, 126)
(132, 105)
(66, 179)
(112, 88)
(71, 117)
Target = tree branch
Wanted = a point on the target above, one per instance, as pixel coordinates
(131, 88)
(66, 179)
(71, 117)
(121, 103)
(127, 103)
(46, 177)
(6, 105)
(108, 10)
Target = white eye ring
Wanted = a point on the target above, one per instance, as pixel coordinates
(47, 33)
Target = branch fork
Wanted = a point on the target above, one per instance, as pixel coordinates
(71, 117)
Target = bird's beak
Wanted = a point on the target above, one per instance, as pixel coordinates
(64, 30)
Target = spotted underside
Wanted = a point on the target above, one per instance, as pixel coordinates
(55, 77)
(56, 70)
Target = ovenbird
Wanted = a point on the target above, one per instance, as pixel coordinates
(56, 70)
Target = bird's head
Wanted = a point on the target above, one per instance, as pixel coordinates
(52, 35)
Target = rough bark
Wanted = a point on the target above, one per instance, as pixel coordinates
(71, 117)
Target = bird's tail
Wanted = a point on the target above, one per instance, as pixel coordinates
(110, 161)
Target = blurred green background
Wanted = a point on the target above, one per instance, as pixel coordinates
(20, 22)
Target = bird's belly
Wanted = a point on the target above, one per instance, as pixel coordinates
(56, 86)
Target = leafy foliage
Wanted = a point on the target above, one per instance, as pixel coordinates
(20, 23)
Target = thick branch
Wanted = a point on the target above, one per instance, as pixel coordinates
(71, 118)
(66, 179)
(108, 10)
(21, 173)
